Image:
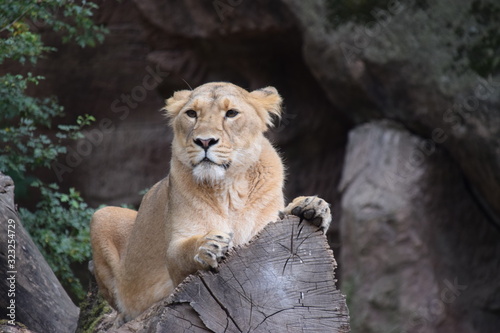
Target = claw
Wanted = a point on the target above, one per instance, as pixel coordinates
(312, 209)
(213, 248)
(201, 261)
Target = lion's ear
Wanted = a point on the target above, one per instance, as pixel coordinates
(175, 103)
(268, 104)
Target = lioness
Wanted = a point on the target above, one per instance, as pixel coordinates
(225, 185)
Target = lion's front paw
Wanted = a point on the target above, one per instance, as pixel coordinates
(212, 248)
(312, 209)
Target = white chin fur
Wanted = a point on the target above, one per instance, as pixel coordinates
(208, 173)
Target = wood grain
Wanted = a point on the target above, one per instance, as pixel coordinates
(283, 281)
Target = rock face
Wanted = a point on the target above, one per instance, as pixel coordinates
(418, 253)
(420, 217)
(127, 150)
(417, 63)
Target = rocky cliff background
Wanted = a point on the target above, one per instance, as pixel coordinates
(391, 113)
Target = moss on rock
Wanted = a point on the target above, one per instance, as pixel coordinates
(95, 312)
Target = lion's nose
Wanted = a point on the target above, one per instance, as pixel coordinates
(205, 143)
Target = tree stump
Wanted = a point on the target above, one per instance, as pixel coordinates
(282, 281)
(29, 291)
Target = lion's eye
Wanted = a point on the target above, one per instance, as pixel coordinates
(191, 113)
(231, 113)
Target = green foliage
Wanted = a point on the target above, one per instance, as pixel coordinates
(60, 227)
(341, 11)
(73, 19)
(21, 115)
(484, 53)
(21, 44)
(28, 141)
(470, 34)
(361, 11)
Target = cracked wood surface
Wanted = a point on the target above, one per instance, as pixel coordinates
(283, 281)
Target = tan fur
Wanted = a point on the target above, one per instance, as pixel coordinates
(188, 220)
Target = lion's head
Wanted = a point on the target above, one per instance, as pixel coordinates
(218, 127)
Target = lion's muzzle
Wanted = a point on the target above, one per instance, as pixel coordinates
(206, 143)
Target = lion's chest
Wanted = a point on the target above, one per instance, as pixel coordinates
(241, 207)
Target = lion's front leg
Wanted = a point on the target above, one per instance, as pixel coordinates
(186, 256)
(212, 248)
(312, 209)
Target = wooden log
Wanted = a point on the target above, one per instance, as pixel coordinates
(5, 327)
(40, 302)
(282, 281)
